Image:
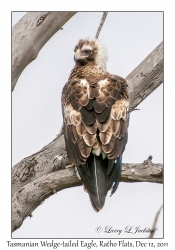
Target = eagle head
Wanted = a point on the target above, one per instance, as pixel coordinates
(90, 50)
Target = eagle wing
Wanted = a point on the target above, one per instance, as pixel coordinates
(96, 117)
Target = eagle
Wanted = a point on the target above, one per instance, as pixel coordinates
(95, 108)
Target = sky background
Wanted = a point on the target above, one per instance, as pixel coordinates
(37, 119)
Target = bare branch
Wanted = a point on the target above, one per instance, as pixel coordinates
(101, 23)
(30, 34)
(152, 231)
(30, 196)
(146, 77)
(146, 171)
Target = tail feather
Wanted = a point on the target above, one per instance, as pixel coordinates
(116, 174)
(99, 176)
(86, 169)
(110, 166)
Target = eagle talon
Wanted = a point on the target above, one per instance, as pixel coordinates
(70, 166)
(77, 174)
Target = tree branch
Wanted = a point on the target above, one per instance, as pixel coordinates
(146, 77)
(152, 231)
(30, 34)
(38, 176)
(101, 24)
(142, 172)
(30, 196)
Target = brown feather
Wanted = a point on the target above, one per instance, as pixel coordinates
(74, 131)
(99, 107)
(90, 104)
(105, 137)
(118, 147)
(104, 126)
(103, 116)
(116, 83)
(73, 83)
(91, 93)
(115, 125)
(88, 117)
(124, 126)
(108, 147)
(72, 148)
(84, 100)
(84, 149)
(75, 118)
(101, 98)
(109, 87)
(91, 129)
(96, 92)
(105, 92)
(89, 139)
(65, 129)
(115, 113)
(78, 92)
(70, 152)
(71, 135)
(74, 97)
(119, 85)
(81, 159)
(76, 105)
(114, 94)
(109, 101)
(123, 114)
(118, 132)
(80, 129)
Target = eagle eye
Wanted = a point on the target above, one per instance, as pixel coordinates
(87, 52)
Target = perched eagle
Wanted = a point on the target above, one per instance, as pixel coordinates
(95, 106)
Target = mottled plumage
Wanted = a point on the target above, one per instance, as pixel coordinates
(95, 110)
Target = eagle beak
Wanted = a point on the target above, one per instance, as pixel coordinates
(77, 55)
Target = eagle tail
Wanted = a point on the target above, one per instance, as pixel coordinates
(115, 175)
(99, 176)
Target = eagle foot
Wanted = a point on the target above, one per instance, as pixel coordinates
(70, 166)
(76, 171)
